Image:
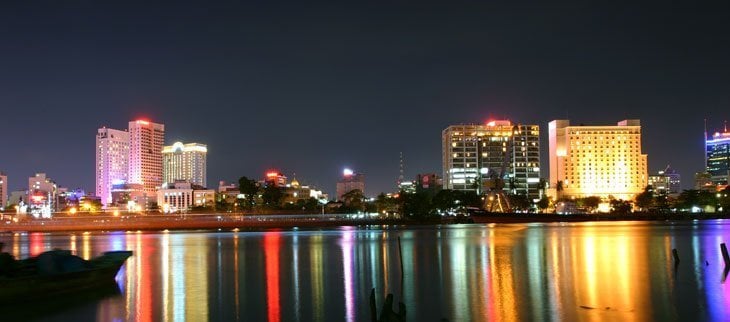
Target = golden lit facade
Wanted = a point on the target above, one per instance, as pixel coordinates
(474, 153)
(604, 161)
(185, 162)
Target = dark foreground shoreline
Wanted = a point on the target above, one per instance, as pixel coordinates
(268, 222)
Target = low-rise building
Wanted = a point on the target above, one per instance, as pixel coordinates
(429, 183)
(183, 196)
(294, 193)
(666, 182)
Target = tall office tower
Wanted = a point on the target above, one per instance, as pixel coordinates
(717, 155)
(3, 190)
(474, 155)
(598, 161)
(146, 140)
(112, 153)
(185, 162)
(350, 181)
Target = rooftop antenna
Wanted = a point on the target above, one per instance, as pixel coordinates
(705, 146)
(400, 177)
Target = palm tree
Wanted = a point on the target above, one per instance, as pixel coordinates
(559, 189)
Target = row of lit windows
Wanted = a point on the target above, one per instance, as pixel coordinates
(612, 132)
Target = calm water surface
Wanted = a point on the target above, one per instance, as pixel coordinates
(620, 271)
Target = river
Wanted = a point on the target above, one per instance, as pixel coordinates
(607, 271)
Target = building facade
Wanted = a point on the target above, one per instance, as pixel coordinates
(717, 156)
(185, 162)
(146, 140)
(41, 195)
(295, 193)
(350, 181)
(666, 182)
(474, 155)
(603, 161)
(275, 179)
(3, 190)
(182, 196)
(112, 154)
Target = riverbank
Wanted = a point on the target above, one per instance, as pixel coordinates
(266, 222)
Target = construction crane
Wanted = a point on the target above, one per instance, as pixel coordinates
(496, 200)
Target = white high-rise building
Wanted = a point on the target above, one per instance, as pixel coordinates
(146, 140)
(475, 154)
(185, 162)
(112, 153)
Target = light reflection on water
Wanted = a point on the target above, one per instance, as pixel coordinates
(552, 272)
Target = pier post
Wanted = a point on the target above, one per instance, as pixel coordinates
(373, 308)
(400, 256)
(675, 254)
(725, 255)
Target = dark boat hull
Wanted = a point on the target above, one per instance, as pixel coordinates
(101, 275)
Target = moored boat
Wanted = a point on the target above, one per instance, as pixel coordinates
(56, 272)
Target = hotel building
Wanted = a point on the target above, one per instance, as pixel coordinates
(146, 140)
(597, 160)
(112, 154)
(185, 162)
(717, 156)
(474, 154)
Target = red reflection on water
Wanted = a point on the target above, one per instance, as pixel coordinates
(272, 245)
(36, 244)
(143, 272)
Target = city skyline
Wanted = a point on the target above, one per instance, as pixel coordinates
(545, 173)
(308, 89)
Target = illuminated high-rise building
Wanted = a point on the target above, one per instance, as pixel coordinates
(185, 162)
(146, 140)
(3, 190)
(717, 155)
(598, 161)
(474, 155)
(350, 181)
(112, 153)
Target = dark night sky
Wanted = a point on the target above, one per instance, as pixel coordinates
(311, 88)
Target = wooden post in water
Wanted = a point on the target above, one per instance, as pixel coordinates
(725, 256)
(373, 308)
(675, 254)
(400, 255)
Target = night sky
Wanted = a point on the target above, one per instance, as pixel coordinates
(313, 88)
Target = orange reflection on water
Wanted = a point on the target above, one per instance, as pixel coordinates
(36, 244)
(272, 246)
(609, 269)
(86, 246)
(503, 305)
(315, 267)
